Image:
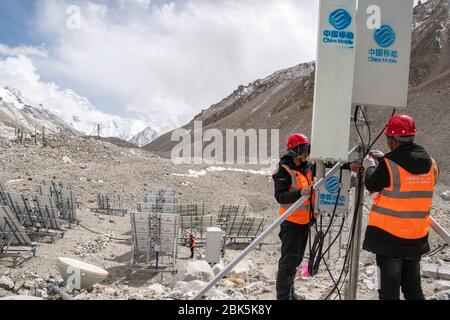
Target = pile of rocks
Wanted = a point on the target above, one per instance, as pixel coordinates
(93, 246)
(441, 272)
(242, 283)
(29, 284)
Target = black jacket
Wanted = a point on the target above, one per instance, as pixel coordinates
(283, 180)
(414, 159)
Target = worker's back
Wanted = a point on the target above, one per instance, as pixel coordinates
(399, 219)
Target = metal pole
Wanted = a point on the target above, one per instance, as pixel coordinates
(265, 234)
(356, 244)
(359, 198)
(440, 231)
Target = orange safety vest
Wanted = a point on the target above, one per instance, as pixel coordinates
(299, 181)
(192, 243)
(403, 209)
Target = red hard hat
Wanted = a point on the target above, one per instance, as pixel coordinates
(295, 140)
(401, 126)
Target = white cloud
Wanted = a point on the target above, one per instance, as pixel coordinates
(145, 4)
(25, 50)
(20, 73)
(166, 62)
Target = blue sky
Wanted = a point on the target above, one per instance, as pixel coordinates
(16, 19)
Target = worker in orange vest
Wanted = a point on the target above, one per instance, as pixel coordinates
(293, 179)
(192, 244)
(399, 220)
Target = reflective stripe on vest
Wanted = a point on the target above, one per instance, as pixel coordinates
(403, 209)
(303, 213)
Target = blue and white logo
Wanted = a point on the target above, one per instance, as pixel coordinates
(340, 19)
(385, 36)
(333, 185)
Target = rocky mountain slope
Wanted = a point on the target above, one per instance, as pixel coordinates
(14, 113)
(284, 100)
(67, 113)
(145, 137)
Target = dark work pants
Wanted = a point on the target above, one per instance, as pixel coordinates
(396, 273)
(294, 238)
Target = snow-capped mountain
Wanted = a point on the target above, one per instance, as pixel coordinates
(264, 103)
(14, 113)
(81, 115)
(64, 111)
(145, 137)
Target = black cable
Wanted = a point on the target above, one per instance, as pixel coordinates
(357, 204)
(350, 240)
(100, 233)
(336, 203)
(368, 129)
(379, 136)
(331, 275)
(337, 237)
(355, 119)
(436, 251)
(316, 251)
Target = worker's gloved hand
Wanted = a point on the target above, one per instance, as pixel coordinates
(306, 191)
(369, 162)
(355, 167)
(377, 154)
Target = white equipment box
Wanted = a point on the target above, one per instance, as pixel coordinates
(214, 238)
(383, 53)
(334, 80)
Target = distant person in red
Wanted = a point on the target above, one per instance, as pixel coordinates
(192, 244)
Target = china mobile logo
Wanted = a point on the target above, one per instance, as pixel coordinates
(333, 185)
(340, 19)
(385, 36)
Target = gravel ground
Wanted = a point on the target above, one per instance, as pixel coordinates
(97, 166)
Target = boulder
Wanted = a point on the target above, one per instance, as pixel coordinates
(157, 289)
(430, 270)
(218, 268)
(443, 295)
(186, 287)
(444, 272)
(442, 285)
(196, 270)
(6, 283)
(66, 160)
(30, 284)
(5, 293)
(446, 195)
(435, 271)
(242, 270)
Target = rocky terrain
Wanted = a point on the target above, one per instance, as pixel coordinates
(93, 166)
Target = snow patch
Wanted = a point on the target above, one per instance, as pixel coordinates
(202, 173)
